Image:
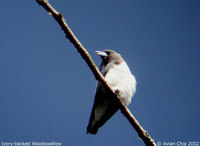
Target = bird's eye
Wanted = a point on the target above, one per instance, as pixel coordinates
(108, 53)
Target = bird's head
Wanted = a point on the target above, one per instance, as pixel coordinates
(109, 56)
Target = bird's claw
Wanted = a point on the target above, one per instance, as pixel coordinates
(117, 92)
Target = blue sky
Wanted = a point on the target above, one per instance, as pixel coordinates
(47, 90)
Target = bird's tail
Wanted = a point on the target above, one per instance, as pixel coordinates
(94, 125)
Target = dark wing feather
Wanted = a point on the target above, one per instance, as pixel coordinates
(102, 98)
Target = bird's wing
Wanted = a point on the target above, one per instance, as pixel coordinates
(105, 106)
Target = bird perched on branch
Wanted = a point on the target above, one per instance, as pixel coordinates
(119, 78)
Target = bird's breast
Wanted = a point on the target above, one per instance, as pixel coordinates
(120, 78)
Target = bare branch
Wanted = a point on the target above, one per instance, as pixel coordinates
(69, 34)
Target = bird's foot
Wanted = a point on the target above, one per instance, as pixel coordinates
(117, 92)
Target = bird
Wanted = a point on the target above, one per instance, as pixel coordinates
(119, 77)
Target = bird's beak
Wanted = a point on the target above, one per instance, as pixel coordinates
(101, 53)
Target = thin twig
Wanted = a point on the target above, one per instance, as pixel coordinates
(69, 34)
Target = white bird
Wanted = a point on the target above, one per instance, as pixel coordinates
(119, 78)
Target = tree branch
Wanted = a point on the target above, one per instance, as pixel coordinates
(69, 34)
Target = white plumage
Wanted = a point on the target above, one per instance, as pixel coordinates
(120, 78)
